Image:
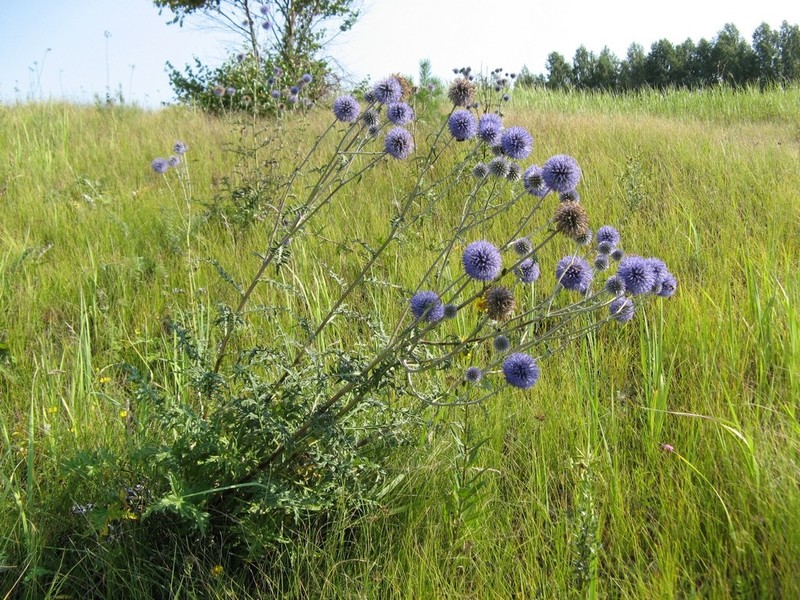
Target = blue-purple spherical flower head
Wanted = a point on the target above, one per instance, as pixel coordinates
(637, 274)
(605, 247)
(668, 285)
(527, 271)
(659, 269)
(399, 143)
(482, 261)
(615, 285)
(427, 305)
(473, 375)
(180, 148)
(621, 309)
(387, 91)
(276, 94)
(521, 370)
(346, 109)
(533, 182)
(230, 91)
(574, 273)
(516, 142)
(294, 90)
(608, 234)
(499, 167)
(173, 161)
(489, 127)
(561, 173)
(501, 343)
(306, 78)
(399, 113)
(160, 165)
(463, 125)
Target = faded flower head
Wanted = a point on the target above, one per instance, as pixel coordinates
(370, 117)
(499, 167)
(463, 125)
(160, 165)
(427, 305)
(516, 142)
(346, 109)
(574, 273)
(489, 127)
(527, 271)
(387, 91)
(480, 171)
(461, 92)
(561, 173)
(399, 143)
(500, 303)
(570, 219)
(637, 274)
(399, 113)
(621, 309)
(482, 260)
(533, 182)
(521, 370)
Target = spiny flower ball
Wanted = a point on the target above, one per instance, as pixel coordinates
(574, 273)
(399, 113)
(480, 171)
(489, 127)
(601, 262)
(570, 219)
(482, 261)
(668, 285)
(450, 311)
(621, 309)
(160, 165)
(461, 92)
(608, 234)
(473, 375)
(173, 161)
(462, 124)
(180, 148)
(561, 173)
(501, 343)
(585, 238)
(604, 247)
(399, 143)
(617, 254)
(516, 142)
(346, 109)
(637, 274)
(499, 167)
(527, 271)
(306, 78)
(615, 285)
(533, 182)
(570, 196)
(387, 90)
(370, 117)
(514, 171)
(522, 246)
(520, 370)
(427, 305)
(659, 269)
(500, 303)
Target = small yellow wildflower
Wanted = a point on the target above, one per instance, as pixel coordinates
(480, 304)
(51, 410)
(123, 414)
(217, 571)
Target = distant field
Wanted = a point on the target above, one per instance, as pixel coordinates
(96, 251)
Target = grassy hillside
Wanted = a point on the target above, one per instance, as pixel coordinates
(581, 495)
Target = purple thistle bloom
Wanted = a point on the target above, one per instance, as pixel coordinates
(427, 305)
(218, 91)
(399, 143)
(266, 25)
(499, 167)
(399, 113)
(293, 98)
(230, 91)
(306, 78)
(294, 90)
(463, 125)
(561, 173)
(659, 271)
(276, 94)
(570, 196)
(489, 127)
(574, 273)
(615, 285)
(617, 254)
(160, 165)
(521, 370)
(516, 142)
(482, 260)
(523, 246)
(501, 343)
(264, 10)
(450, 311)
(533, 182)
(621, 309)
(604, 247)
(668, 285)
(608, 234)
(601, 262)
(346, 109)
(387, 91)
(637, 274)
(173, 161)
(473, 375)
(180, 148)
(527, 271)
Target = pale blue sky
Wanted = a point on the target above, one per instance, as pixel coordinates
(391, 36)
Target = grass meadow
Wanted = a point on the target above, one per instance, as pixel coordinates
(581, 498)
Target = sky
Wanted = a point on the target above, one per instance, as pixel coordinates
(78, 49)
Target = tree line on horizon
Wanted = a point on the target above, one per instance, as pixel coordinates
(773, 58)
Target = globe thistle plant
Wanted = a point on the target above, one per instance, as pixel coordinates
(387, 91)
(500, 303)
(160, 165)
(520, 370)
(516, 142)
(180, 148)
(522, 246)
(570, 219)
(480, 171)
(346, 109)
(399, 143)
(527, 271)
(574, 273)
(473, 375)
(482, 261)
(561, 173)
(501, 343)
(427, 305)
(489, 127)
(615, 285)
(617, 254)
(499, 167)
(609, 234)
(462, 125)
(399, 113)
(637, 274)
(461, 92)
(533, 181)
(621, 309)
(604, 248)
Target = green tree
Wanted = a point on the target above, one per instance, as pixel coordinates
(790, 52)
(632, 69)
(766, 46)
(660, 64)
(583, 64)
(606, 70)
(733, 58)
(559, 73)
